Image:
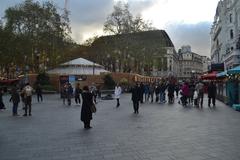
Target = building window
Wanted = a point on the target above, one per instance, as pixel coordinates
(231, 34)
(230, 18)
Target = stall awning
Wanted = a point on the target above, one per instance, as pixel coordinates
(210, 76)
(222, 74)
(235, 70)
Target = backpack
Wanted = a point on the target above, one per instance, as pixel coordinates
(28, 91)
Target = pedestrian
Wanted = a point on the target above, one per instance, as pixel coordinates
(142, 92)
(39, 92)
(185, 93)
(171, 88)
(136, 97)
(22, 98)
(15, 99)
(157, 91)
(212, 91)
(2, 106)
(146, 92)
(69, 93)
(191, 93)
(162, 92)
(78, 91)
(177, 88)
(27, 90)
(200, 89)
(86, 113)
(117, 93)
(64, 92)
(93, 90)
(151, 92)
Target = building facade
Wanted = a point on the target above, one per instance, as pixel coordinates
(225, 34)
(191, 64)
(206, 62)
(149, 53)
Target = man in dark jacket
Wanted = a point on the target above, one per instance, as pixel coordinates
(212, 90)
(136, 97)
(171, 88)
(39, 92)
(15, 99)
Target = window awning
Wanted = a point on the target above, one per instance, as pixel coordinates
(222, 74)
(235, 70)
(210, 76)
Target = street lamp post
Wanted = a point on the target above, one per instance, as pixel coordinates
(93, 67)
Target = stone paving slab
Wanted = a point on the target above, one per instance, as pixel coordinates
(159, 132)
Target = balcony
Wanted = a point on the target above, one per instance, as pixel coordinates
(231, 54)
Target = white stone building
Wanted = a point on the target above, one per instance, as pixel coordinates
(206, 62)
(190, 63)
(225, 34)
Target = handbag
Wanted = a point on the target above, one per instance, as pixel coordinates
(93, 108)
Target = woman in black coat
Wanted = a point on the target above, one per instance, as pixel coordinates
(86, 114)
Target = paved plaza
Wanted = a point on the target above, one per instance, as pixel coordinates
(158, 132)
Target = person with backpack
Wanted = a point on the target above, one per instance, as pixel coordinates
(15, 99)
(27, 90)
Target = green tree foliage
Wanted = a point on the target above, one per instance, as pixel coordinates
(109, 83)
(31, 29)
(122, 21)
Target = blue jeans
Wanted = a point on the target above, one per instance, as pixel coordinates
(15, 108)
(162, 97)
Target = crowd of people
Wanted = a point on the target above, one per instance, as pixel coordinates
(190, 92)
(24, 95)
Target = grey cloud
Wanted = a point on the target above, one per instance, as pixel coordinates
(137, 7)
(196, 35)
(87, 12)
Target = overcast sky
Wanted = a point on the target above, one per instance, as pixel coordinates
(187, 22)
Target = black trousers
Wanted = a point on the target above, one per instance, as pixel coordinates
(86, 124)
(39, 96)
(135, 106)
(200, 99)
(77, 99)
(28, 105)
(118, 103)
(213, 99)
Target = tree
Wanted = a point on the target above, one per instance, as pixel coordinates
(90, 40)
(109, 83)
(122, 21)
(33, 29)
(43, 79)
